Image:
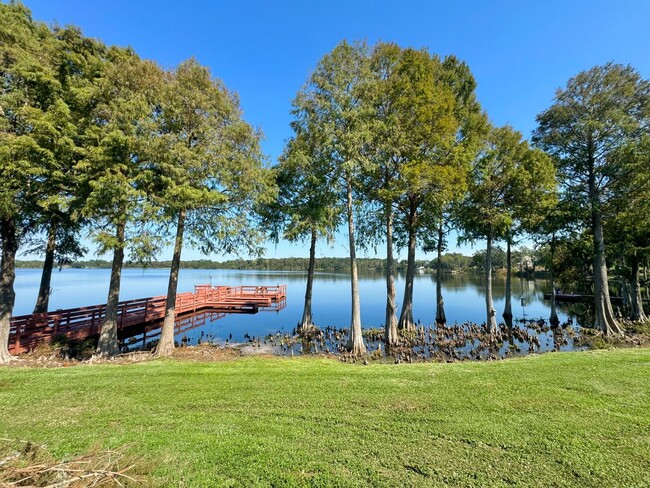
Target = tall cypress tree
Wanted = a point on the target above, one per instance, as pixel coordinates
(77, 63)
(506, 177)
(35, 125)
(111, 172)
(306, 207)
(331, 104)
(206, 173)
(599, 112)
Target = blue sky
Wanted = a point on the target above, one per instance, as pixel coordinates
(519, 51)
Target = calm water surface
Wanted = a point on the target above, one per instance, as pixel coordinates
(463, 295)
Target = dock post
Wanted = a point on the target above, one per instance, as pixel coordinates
(122, 317)
(55, 325)
(17, 340)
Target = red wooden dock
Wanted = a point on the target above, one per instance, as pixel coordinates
(27, 331)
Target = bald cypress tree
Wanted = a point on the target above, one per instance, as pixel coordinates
(331, 103)
(205, 172)
(504, 179)
(425, 127)
(35, 126)
(110, 174)
(628, 222)
(599, 111)
(529, 199)
(306, 207)
(78, 63)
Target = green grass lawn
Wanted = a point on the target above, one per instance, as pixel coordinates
(559, 419)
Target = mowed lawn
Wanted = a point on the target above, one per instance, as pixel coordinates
(558, 419)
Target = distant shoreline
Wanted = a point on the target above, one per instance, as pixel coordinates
(277, 264)
(261, 264)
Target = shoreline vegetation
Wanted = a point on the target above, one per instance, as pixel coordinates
(262, 264)
(453, 342)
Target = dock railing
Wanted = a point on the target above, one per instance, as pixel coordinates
(27, 331)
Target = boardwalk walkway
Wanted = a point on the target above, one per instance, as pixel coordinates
(27, 331)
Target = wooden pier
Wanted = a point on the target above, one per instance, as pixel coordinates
(27, 331)
(579, 297)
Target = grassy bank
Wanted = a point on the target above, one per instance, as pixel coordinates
(574, 419)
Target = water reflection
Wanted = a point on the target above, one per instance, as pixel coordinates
(147, 335)
(455, 342)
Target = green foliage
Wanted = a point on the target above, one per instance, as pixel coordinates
(629, 229)
(457, 262)
(35, 121)
(573, 259)
(328, 110)
(111, 184)
(478, 259)
(280, 264)
(589, 129)
(510, 184)
(600, 112)
(453, 262)
(306, 201)
(426, 127)
(203, 159)
(597, 132)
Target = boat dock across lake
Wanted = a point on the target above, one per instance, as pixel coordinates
(579, 297)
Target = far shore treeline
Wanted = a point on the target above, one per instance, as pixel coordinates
(276, 264)
(525, 263)
(390, 144)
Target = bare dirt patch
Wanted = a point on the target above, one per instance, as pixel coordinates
(46, 356)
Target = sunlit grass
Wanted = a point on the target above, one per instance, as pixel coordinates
(569, 419)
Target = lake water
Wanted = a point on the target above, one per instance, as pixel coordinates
(463, 294)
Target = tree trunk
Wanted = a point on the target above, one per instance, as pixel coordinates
(553, 319)
(43, 300)
(441, 318)
(307, 321)
(491, 322)
(390, 335)
(624, 288)
(603, 314)
(9, 240)
(108, 345)
(406, 322)
(165, 345)
(645, 269)
(638, 314)
(646, 283)
(507, 312)
(356, 344)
